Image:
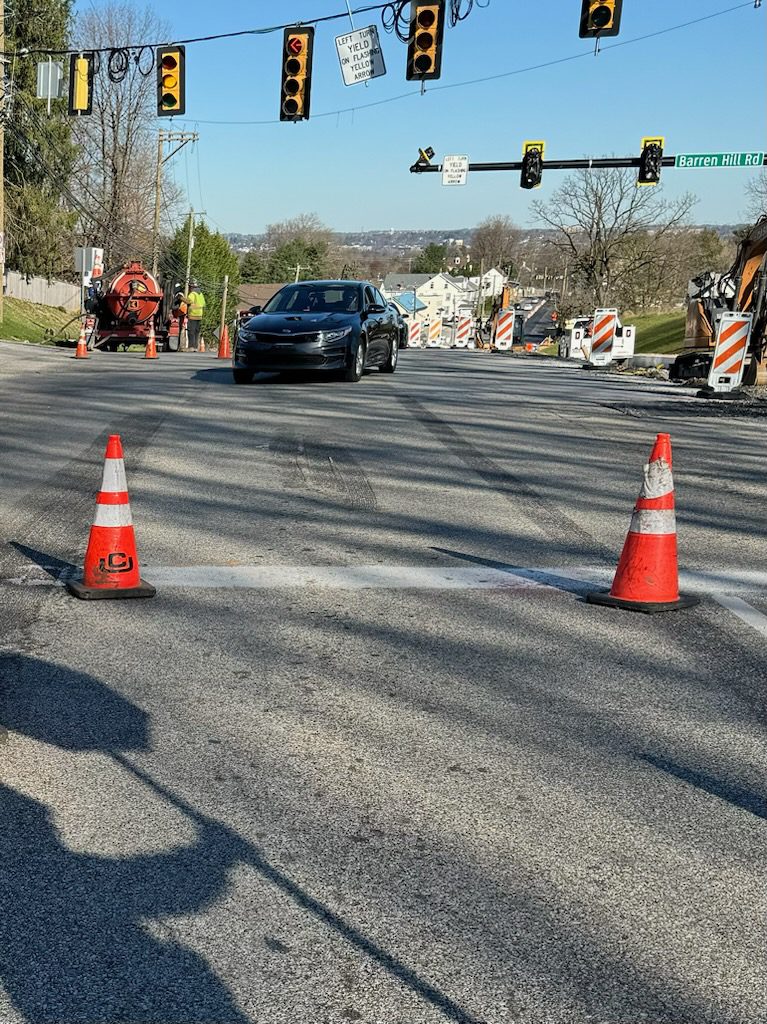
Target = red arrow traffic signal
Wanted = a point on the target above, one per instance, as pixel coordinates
(295, 45)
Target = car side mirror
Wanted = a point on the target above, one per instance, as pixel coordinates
(373, 308)
(255, 310)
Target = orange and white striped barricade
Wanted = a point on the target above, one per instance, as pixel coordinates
(504, 330)
(463, 332)
(603, 336)
(414, 334)
(730, 351)
(434, 337)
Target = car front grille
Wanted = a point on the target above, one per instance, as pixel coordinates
(285, 339)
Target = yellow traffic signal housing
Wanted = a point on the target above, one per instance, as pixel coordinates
(424, 48)
(171, 81)
(532, 164)
(81, 67)
(600, 18)
(650, 160)
(296, 88)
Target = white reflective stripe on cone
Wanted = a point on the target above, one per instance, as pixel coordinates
(653, 520)
(113, 515)
(658, 481)
(114, 476)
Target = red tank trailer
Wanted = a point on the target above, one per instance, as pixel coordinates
(127, 304)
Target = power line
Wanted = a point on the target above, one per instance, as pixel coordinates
(504, 74)
(266, 30)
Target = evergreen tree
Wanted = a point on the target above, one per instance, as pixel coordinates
(252, 269)
(430, 260)
(39, 154)
(212, 258)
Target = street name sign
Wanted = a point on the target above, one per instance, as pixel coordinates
(455, 170)
(688, 160)
(360, 55)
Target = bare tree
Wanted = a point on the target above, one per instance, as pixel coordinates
(114, 176)
(495, 241)
(756, 190)
(608, 229)
(306, 227)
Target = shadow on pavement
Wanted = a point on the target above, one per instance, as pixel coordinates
(74, 942)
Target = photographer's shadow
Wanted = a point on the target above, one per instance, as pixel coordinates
(73, 934)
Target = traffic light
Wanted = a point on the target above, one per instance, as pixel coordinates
(424, 48)
(171, 84)
(650, 161)
(297, 47)
(81, 67)
(600, 18)
(532, 164)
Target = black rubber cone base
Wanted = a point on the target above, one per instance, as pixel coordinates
(648, 607)
(110, 593)
(736, 395)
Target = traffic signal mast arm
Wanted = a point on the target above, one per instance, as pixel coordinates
(550, 165)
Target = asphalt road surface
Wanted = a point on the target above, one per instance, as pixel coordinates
(368, 755)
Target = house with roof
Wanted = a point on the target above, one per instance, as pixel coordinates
(439, 295)
(249, 295)
(407, 302)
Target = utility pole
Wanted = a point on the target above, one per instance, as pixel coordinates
(2, 157)
(223, 308)
(299, 268)
(190, 246)
(162, 137)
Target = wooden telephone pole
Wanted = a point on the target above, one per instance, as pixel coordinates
(162, 137)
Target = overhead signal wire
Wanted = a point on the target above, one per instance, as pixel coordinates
(265, 30)
(504, 74)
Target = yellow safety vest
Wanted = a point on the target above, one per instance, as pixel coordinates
(196, 302)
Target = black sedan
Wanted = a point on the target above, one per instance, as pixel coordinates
(339, 326)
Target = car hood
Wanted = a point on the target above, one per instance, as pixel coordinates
(299, 323)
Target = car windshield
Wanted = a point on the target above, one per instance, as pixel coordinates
(313, 298)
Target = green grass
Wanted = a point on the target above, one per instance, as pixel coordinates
(26, 321)
(659, 332)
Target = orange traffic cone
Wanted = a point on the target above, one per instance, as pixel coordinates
(151, 345)
(647, 578)
(224, 348)
(111, 567)
(202, 344)
(81, 352)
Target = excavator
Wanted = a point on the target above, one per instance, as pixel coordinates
(742, 289)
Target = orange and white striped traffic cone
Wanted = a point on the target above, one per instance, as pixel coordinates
(150, 352)
(647, 577)
(111, 568)
(81, 352)
(224, 348)
(201, 347)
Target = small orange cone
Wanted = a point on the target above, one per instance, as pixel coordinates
(151, 345)
(647, 577)
(111, 567)
(224, 348)
(202, 344)
(81, 352)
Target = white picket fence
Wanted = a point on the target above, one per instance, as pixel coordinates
(42, 291)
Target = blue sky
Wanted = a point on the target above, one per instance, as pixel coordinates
(702, 87)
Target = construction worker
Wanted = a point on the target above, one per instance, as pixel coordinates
(195, 301)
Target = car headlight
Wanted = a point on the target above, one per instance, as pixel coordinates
(324, 336)
(245, 335)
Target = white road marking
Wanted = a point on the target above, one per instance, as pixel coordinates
(745, 612)
(578, 579)
(352, 577)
